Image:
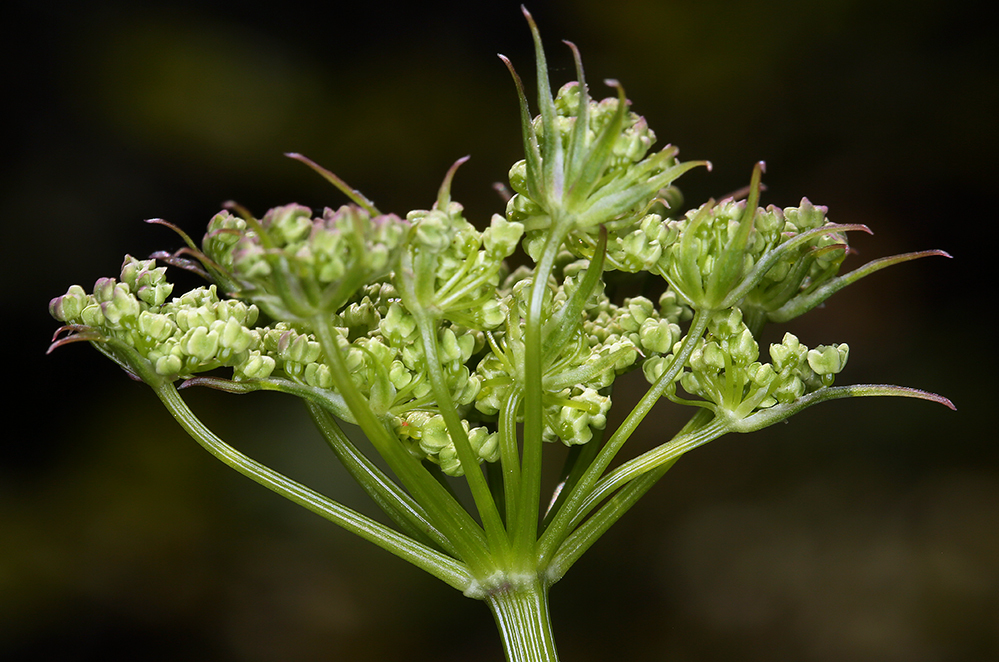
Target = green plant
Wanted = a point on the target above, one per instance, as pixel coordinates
(456, 367)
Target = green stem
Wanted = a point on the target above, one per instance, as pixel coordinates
(510, 454)
(493, 524)
(577, 461)
(445, 568)
(584, 536)
(408, 515)
(525, 532)
(454, 521)
(561, 525)
(524, 624)
(648, 461)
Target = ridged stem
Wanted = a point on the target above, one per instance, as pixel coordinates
(523, 621)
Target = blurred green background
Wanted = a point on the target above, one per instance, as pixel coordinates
(865, 530)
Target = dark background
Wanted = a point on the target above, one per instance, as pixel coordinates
(863, 530)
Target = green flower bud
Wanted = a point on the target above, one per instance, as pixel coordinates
(318, 375)
(789, 390)
(146, 280)
(828, 359)
(361, 315)
(726, 323)
(169, 365)
(502, 236)
(788, 354)
(245, 315)
(449, 350)
(638, 252)
(672, 308)
(235, 336)
(132, 268)
(639, 310)
(806, 216)
(298, 348)
(449, 461)
(586, 411)
(121, 306)
(484, 443)
(399, 375)
(769, 223)
(224, 233)
(762, 375)
(658, 336)
(104, 289)
(256, 366)
(654, 367)
(155, 326)
(397, 325)
(288, 224)
(709, 356)
(355, 361)
(468, 387)
(518, 178)
(195, 317)
(490, 315)
(92, 315)
(200, 343)
(743, 348)
(433, 229)
(155, 295)
(69, 307)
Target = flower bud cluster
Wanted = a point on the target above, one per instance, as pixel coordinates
(453, 269)
(599, 174)
(804, 268)
(724, 371)
(386, 363)
(635, 321)
(426, 434)
(714, 249)
(189, 334)
(295, 266)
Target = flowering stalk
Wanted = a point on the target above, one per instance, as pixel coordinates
(456, 367)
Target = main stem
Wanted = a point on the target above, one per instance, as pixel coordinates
(522, 618)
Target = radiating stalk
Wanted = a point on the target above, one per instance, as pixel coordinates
(489, 513)
(443, 567)
(561, 525)
(449, 516)
(408, 515)
(526, 530)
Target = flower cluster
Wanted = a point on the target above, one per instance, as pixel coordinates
(449, 269)
(771, 258)
(725, 372)
(295, 266)
(587, 166)
(193, 333)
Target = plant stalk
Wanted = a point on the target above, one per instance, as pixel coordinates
(523, 621)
